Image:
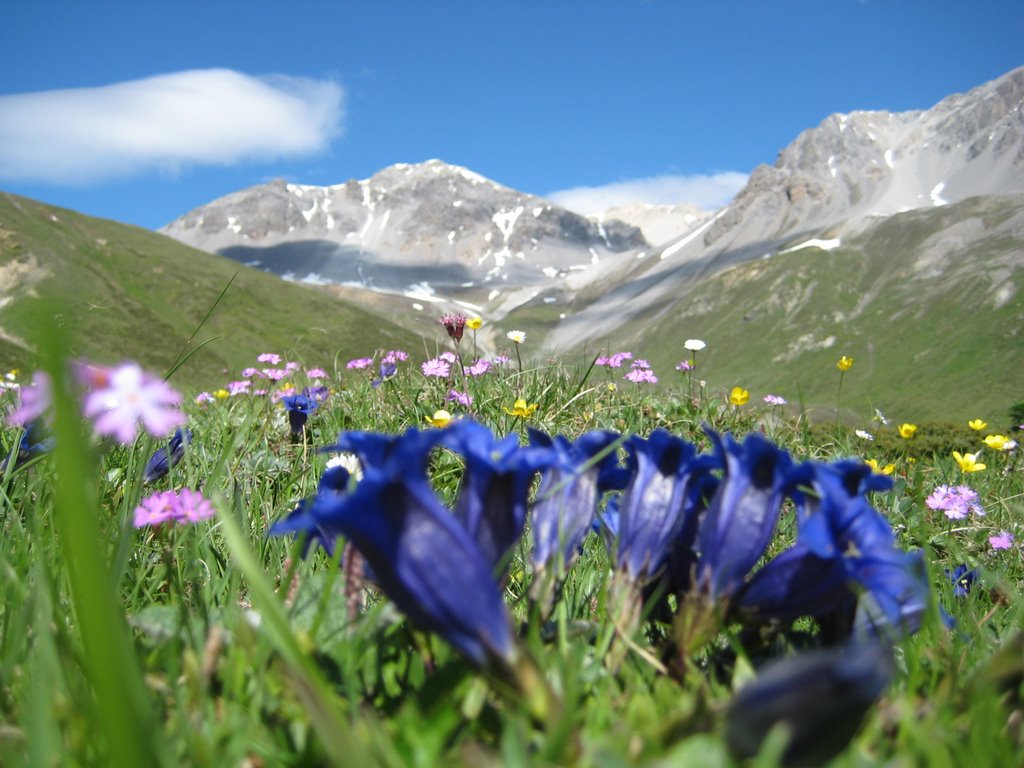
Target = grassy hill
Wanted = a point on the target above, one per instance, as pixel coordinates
(929, 304)
(126, 292)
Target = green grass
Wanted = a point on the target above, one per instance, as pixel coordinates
(129, 293)
(938, 342)
(218, 646)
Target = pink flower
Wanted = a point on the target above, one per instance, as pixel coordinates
(1003, 541)
(269, 357)
(436, 367)
(248, 373)
(684, 365)
(479, 368)
(239, 387)
(501, 359)
(395, 356)
(359, 363)
(316, 373)
(291, 365)
(461, 398)
(639, 375)
(131, 395)
(35, 401)
(204, 397)
(955, 501)
(774, 400)
(188, 506)
(275, 374)
(448, 357)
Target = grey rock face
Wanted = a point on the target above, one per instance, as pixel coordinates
(407, 226)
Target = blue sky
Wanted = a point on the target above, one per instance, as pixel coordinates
(141, 111)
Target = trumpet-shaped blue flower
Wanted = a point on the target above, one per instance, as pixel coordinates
(425, 561)
(653, 510)
(495, 485)
(167, 456)
(35, 441)
(741, 517)
(569, 493)
(334, 483)
(299, 407)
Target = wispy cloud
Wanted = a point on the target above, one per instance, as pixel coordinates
(167, 123)
(705, 191)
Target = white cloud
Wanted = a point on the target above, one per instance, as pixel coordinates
(705, 191)
(165, 122)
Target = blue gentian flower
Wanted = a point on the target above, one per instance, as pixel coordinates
(387, 370)
(334, 483)
(36, 440)
(569, 493)
(841, 541)
(425, 561)
(740, 518)
(299, 408)
(962, 578)
(495, 485)
(167, 456)
(821, 696)
(653, 510)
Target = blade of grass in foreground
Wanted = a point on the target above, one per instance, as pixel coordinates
(122, 709)
(339, 739)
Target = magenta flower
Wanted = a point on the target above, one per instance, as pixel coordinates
(239, 387)
(269, 357)
(956, 501)
(275, 374)
(316, 373)
(448, 357)
(684, 365)
(395, 356)
(461, 398)
(1003, 541)
(35, 400)
(188, 506)
(436, 367)
(248, 373)
(479, 368)
(640, 375)
(129, 396)
(455, 324)
(359, 363)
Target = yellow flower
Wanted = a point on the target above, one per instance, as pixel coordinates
(221, 394)
(738, 396)
(474, 323)
(440, 418)
(845, 363)
(611, 386)
(968, 462)
(521, 409)
(907, 430)
(998, 442)
(888, 469)
(977, 424)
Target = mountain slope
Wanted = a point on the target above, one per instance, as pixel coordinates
(929, 303)
(128, 292)
(849, 170)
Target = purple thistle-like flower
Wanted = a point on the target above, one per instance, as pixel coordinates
(131, 395)
(455, 324)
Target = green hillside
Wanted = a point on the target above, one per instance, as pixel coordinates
(126, 292)
(929, 304)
